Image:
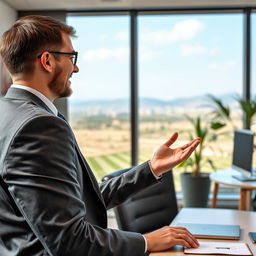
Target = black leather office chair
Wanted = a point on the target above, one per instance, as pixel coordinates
(149, 209)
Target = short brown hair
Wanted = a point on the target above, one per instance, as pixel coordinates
(28, 37)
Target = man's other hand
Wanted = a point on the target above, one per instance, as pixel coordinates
(168, 237)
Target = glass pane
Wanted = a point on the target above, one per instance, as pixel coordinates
(253, 52)
(182, 59)
(253, 73)
(99, 107)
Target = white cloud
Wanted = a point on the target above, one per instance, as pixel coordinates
(122, 36)
(119, 54)
(224, 66)
(147, 54)
(188, 50)
(103, 37)
(182, 31)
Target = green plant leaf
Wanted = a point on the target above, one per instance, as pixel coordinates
(220, 109)
(210, 162)
(249, 109)
(204, 130)
(217, 125)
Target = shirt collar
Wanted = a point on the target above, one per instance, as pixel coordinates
(47, 102)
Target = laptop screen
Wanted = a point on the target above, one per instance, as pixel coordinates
(243, 151)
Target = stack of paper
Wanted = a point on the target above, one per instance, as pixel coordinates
(220, 248)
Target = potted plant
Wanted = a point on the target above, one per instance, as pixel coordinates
(223, 113)
(195, 185)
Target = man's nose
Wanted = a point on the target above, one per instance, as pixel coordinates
(76, 69)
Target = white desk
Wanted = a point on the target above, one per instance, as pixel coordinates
(225, 177)
(246, 220)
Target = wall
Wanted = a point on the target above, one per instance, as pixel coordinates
(7, 16)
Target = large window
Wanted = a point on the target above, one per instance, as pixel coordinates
(253, 71)
(253, 59)
(99, 107)
(182, 59)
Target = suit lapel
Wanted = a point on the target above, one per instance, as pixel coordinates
(87, 167)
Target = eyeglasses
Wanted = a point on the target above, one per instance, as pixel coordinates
(74, 59)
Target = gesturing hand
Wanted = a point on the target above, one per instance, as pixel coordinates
(165, 158)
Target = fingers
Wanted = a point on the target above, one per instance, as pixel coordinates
(185, 241)
(167, 237)
(188, 151)
(193, 143)
(172, 139)
(185, 235)
(189, 148)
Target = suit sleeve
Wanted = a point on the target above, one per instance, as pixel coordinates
(41, 175)
(118, 189)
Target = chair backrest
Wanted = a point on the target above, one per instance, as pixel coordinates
(149, 209)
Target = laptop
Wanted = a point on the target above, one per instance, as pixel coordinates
(231, 232)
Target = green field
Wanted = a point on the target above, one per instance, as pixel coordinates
(105, 142)
(101, 165)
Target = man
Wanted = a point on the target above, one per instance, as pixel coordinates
(50, 202)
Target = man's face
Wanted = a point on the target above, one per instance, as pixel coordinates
(60, 83)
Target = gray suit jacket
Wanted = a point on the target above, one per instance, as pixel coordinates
(50, 201)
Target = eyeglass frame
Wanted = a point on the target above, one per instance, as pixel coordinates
(65, 53)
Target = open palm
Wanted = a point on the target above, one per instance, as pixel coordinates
(165, 158)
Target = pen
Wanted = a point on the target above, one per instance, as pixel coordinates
(222, 248)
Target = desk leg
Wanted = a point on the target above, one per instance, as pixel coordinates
(245, 200)
(215, 192)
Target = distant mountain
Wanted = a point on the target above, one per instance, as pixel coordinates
(122, 105)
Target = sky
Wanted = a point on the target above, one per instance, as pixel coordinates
(179, 56)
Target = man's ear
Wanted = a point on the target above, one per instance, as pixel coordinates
(47, 61)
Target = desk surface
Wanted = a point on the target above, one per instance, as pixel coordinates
(225, 177)
(246, 220)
